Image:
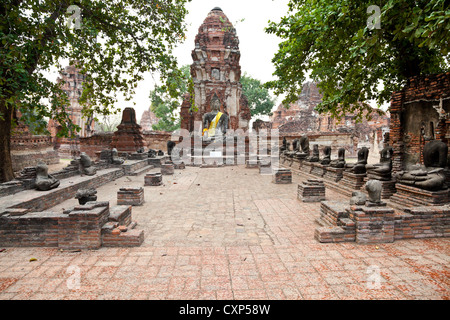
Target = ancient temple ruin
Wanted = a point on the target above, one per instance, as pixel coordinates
(216, 70)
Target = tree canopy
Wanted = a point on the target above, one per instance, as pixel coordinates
(165, 105)
(113, 42)
(339, 45)
(259, 100)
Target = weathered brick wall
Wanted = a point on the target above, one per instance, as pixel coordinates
(95, 144)
(157, 140)
(419, 92)
(27, 149)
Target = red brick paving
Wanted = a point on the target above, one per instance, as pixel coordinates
(228, 233)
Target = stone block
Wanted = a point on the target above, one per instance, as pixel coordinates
(282, 176)
(130, 196)
(153, 179)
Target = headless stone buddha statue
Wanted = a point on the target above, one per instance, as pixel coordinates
(327, 158)
(315, 154)
(215, 123)
(303, 148)
(360, 166)
(295, 144)
(45, 181)
(383, 170)
(340, 161)
(115, 157)
(86, 165)
(432, 176)
(283, 146)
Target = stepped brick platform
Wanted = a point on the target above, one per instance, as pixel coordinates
(334, 174)
(311, 191)
(331, 212)
(340, 222)
(423, 222)
(130, 196)
(153, 179)
(408, 196)
(282, 176)
(373, 224)
(83, 227)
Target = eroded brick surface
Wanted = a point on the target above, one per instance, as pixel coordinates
(227, 233)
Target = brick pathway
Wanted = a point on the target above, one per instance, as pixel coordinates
(227, 233)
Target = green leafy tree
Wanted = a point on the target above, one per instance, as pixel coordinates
(166, 105)
(259, 100)
(113, 42)
(355, 57)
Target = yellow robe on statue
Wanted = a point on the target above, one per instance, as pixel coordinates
(213, 125)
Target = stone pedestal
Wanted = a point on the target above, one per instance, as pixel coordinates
(311, 191)
(282, 176)
(333, 174)
(265, 168)
(352, 181)
(408, 196)
(153, 179)
(318, 169)
(130, 196)
(167, 169)
(157, 161)
(374, 224)
(305, 166)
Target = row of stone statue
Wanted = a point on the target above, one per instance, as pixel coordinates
(44, 181)
(431, 176)
(301, 151)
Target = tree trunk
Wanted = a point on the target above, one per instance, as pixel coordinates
(6, 171)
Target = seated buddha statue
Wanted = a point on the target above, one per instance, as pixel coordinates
(45, 181)
(360, 166)
(303, 148)
(315, 154)
(340, 161)
(432, 175)
(382, 170)
(327, 156)
(215, 123)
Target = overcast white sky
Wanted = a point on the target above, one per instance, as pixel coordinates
(257, 47)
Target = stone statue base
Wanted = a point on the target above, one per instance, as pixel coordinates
(352, 181)
(408, 196)
(333, 174)
(318, 169)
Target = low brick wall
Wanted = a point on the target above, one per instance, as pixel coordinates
(43, 200)
(81, 228)
(341, 222)
(157, 140)
(95, 144)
